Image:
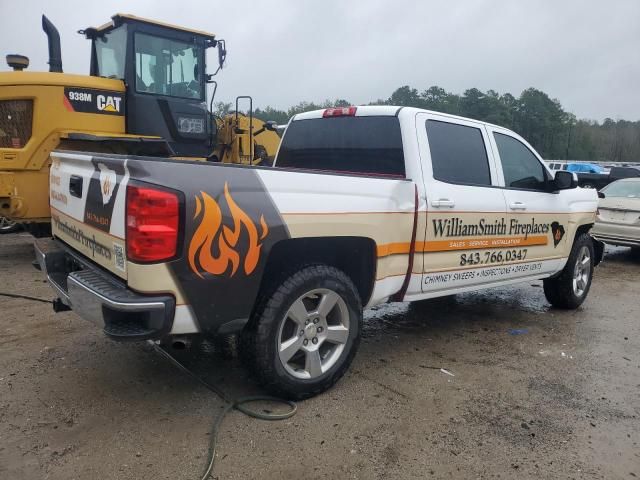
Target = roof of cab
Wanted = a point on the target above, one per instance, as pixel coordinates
(388, 110)
(361, 111)
(120, 18)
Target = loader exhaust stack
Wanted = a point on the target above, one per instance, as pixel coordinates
(55, 53)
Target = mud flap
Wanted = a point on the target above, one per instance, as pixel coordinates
(598, 250)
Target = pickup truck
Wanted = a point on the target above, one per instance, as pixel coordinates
(364, 205)
(601, 180)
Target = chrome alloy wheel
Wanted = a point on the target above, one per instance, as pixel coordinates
(581, 272)
(313, 333)
(7, 225)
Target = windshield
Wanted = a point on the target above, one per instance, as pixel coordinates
(167, 67)
(627, 188)
(110, 50)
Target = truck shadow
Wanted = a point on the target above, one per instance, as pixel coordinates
(622, 255)
(499, 307)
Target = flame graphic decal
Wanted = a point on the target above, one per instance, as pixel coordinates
(211, 231)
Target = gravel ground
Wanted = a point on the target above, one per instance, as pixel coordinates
(534, 393)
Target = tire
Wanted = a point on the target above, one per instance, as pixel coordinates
(297, 347)
(8, 226)
(571, 287)
(39, 230)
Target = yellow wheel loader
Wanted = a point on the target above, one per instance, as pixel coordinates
(145, 95)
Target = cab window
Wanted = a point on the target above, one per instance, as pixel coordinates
(458, 153)
(110, 53)
(167, 67)
(520, 166)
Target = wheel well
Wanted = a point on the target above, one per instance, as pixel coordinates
(355, 256)
(583, 229)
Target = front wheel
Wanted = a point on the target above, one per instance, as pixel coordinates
(570, 288)
(305, 333)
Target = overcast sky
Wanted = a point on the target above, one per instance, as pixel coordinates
(584, 53)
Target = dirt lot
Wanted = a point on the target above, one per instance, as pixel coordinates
(537, 393)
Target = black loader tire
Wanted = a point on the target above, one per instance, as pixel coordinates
(260, 339)
(560, 290)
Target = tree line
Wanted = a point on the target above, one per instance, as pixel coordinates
(554, 132)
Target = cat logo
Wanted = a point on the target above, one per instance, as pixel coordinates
(108, 103)
(107, 182)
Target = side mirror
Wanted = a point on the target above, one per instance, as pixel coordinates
(222, 53)
(271, 126)
(565, 180)
(601, 195)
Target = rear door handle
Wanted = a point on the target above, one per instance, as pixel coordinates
(518, 206)
(443, 202)
(75, 186)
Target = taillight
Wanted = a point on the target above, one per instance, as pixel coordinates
(340, 112)
(153, 219)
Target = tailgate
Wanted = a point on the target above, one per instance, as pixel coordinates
(87, 197)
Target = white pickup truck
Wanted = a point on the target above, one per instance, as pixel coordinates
(364, 205)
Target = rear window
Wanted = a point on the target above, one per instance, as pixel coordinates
(458, 154)
(369, 145)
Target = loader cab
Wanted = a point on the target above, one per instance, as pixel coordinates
(164, 70)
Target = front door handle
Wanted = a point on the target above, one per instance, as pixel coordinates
(518, 206)
(75, 186)
(443, 202)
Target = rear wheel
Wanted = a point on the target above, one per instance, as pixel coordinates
(570, 288)
(306, 333)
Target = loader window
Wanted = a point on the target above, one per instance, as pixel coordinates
(110, 50)
(167, 67)
(365, 145)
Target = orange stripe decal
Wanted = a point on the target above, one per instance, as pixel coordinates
(478, 243)
(387, 249)
(67, 104)
(393, 248)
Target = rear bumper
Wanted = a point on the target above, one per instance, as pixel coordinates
(620, 241)
(617, 234)
(102, 299)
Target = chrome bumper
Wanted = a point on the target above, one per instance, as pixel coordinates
(617, 240)
(101, 298)
(617, 233)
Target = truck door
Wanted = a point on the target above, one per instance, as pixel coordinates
(465, 209)
(537, 218)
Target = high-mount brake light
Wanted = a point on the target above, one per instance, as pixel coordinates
(340, 112)
(153, 219)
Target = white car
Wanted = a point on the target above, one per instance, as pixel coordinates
(618, 218)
